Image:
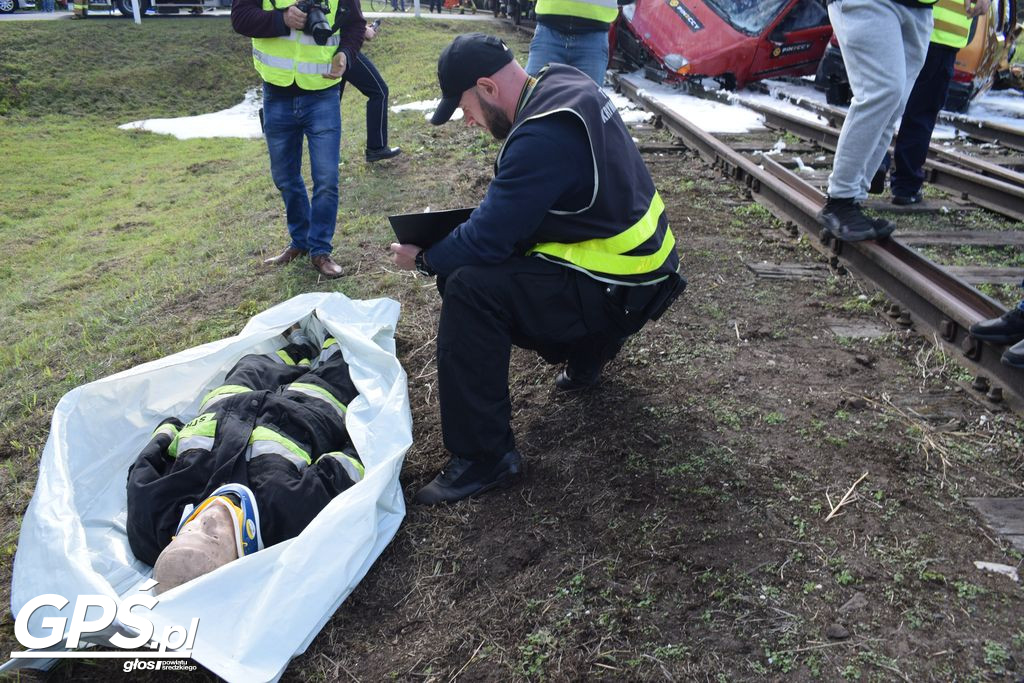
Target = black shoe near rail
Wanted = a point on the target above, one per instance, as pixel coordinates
(462, 478)
(382, 153)
(1014, 356)
(1006, 329)
(907, 199)
(845, 220)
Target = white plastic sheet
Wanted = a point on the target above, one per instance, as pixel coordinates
(260, 611)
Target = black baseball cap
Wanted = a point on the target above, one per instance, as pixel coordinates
(469, 57)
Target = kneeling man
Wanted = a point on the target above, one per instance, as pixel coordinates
(569, 252)
(267, 453)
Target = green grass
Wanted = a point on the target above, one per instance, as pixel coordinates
(121, 247)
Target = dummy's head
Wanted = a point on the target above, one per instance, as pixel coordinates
(478, 73)
(207, 541)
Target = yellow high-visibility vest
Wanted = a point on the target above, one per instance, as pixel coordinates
(296, 58)
(600, 10)
(952, 25)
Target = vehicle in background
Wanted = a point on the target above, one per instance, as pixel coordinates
(734, 41)
(978, 65)
(157, 6)
(8, 6)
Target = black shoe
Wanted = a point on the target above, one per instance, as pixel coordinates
(462, 478)
(846, 221)
(883, 227)
(907, 199)
(573, 380)
(1006, 329)
(1014, 356)
(382, 153)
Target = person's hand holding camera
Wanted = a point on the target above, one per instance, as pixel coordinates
(294, 18)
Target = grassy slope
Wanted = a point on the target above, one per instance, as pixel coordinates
(121, 247)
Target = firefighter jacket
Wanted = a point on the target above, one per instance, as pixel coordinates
(622, 236)
(285, 444)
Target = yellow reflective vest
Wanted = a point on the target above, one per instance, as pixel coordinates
(296, 58)
(599, 10)
(952, 25)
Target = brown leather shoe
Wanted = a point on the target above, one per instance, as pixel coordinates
(286, 256)
(326, 266)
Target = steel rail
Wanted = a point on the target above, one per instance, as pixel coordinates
(985, 130)
(835, 117)
(939, 302)
(991, 193)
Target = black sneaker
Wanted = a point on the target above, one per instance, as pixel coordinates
(1006, 329)
(883, 227)
(846, 221)
(382, 153)
(907, 199)
(1014, 356)
(462, 478)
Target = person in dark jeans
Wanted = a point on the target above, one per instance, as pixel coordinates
(363, 75)
(952, 32)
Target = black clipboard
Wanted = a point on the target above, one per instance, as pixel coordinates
(424, 229)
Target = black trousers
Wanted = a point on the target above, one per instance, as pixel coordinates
(926, 99)
(364, 76)
(559, 312)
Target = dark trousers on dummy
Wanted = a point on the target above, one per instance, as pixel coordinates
(926, 99)
(557, 311)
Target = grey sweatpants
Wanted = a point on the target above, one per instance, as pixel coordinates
(884, 46)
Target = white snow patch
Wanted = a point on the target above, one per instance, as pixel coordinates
(630, 112)
(1004, 569)
(240, 121)
(428, 106)
(710, 116)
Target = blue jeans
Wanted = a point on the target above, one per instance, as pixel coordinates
(588, 52)
(286, 119)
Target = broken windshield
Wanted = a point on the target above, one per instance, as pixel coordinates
(749, 16)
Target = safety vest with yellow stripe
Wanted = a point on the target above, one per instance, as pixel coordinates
(599, 10)
(296, 58)
(622, 236)
(952, 25)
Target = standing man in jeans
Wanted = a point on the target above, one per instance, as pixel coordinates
(884, 43)
(300, 99)
(573, 32)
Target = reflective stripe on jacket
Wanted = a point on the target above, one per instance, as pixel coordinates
(623, 235)
(952, 25)
(296, 58)
(600, 10)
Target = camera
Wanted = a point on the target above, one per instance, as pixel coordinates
(316, 21)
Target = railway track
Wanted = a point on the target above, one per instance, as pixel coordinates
(940, 304)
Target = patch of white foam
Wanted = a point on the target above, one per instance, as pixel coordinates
(630, 112)
(240, 121)
(710, 116)
(428, 106)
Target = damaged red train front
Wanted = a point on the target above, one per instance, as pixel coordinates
(735, 41)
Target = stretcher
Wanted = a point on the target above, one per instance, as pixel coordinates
(255, 613)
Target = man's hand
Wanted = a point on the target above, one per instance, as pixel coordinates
(338, 66)
(370, 33)
(976, 8)
(404, 255)
(294, 18)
